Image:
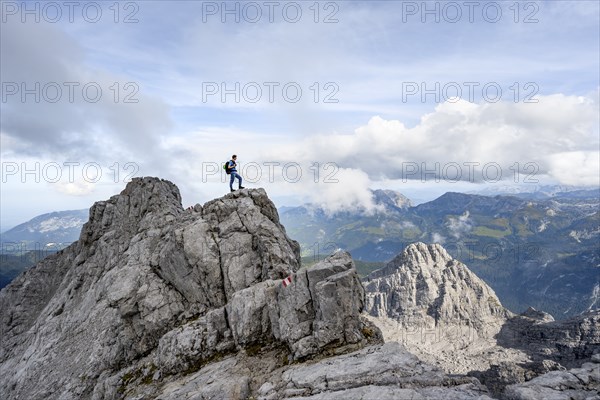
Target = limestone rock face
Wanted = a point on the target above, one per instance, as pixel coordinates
(386, 372)
(569, 342)
(177, 288)
(578, 383)
(424, 287)
(378, 372)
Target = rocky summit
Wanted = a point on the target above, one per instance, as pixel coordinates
(155, 301)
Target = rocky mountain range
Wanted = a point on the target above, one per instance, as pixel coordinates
(154, 301)
(56, 230)
(540, 192)
(159, 302)
(533, 253)
(29, 242)
(538, 249)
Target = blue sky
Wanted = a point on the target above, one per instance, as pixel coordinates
(374, 59)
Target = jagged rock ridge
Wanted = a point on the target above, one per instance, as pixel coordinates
(143, 266)
(155, 301)
(568, 342)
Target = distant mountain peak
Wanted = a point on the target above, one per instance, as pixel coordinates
(424, 285)
(425, 254)
(55, 227)
(384, 200)
(391, 198)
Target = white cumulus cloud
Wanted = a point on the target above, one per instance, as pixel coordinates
(470, 142)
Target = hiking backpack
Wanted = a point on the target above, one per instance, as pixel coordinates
(227, 170)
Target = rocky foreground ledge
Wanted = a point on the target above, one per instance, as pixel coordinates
(155, 301)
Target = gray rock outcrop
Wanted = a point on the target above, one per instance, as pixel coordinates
(551, 347)
(570, 342)
(378, 372)
(149, 278)
(581, 383)
(374, 372)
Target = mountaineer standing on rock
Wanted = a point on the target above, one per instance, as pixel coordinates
(230, 168)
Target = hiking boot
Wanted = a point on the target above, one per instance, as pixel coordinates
(241, 187)
(232, 190)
